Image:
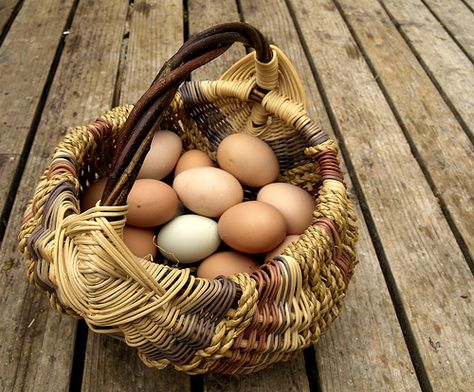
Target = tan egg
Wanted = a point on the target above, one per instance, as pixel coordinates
(295, 204)
(280, 248)
(93, 194)
(249, 159)
(226, 263)
(252, 227)
(208, 191)
(160, 161)
(190, 159)
(140, 241)
(151, 203)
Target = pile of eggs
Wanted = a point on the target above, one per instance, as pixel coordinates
(194, 213)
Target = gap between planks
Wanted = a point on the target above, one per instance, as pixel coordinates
(201, 15)
(48, 356)
(14, 167)
(455, 22)
(155, 32)
(435, 63)
(402, 247)
(8, 14)
(349, 351)
(451, 160)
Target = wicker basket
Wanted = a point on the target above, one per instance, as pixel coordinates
(239, 324)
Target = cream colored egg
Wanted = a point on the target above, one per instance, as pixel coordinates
(226, 263)
(190, 159)
(295, 204)
(188, 238)
(208, 191)
(161, 159)
(249, 159)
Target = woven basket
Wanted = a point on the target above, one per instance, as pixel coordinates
(238, 324)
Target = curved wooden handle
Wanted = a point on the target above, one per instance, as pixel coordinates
(136, 134)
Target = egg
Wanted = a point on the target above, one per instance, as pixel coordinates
(140, 241)
(226, 263)
(188, 238)
(295, 204)
(151, 203)
(190, 159)
(280, 248)
(93, 194)
(249, 159)
(161, 159)
(208, 191)
(252, 227)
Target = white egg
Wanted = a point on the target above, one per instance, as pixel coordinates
(188, 238)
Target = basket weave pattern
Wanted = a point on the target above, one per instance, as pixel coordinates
(239, 324)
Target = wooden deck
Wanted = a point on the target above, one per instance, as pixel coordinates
(391, 80)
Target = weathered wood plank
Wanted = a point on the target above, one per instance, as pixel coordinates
(37, 344)
(25, 60)
(7, 8)
(290, 376)
(113, 366)
(348, 357)
(442, 58)
(447, 155)
(458, 19)
(281, 377)
(417, 243)
(155, 33)
(203, 14)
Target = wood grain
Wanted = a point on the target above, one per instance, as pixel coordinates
(155, 32)
(348, 357)
(113, 366)
(458, 19)
(25, 61)
(286, 377)
(448, 156)
(37, 344)
(430, 275)
(7, 7)
(443, 59)
(203, 14)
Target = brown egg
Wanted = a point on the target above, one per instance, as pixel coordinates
(226, 263)
(161, 159)
(151, 203)
(249, 159)
(140, 241)
(93, 194)
(280, 248)
(252, 227)
(190, 159)
(295, 204)
(208, 191)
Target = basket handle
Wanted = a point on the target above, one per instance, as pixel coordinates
(135, 136)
